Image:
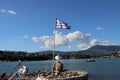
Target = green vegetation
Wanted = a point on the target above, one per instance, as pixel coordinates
(93, 52)
(15, 56)
(47, 55)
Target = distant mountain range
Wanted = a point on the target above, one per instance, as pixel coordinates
(95, 50)
(100, 49)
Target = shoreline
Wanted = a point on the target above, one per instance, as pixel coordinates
(65, 75)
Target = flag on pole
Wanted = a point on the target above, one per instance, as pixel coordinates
(61, 25)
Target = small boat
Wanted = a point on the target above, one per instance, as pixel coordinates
(16, 73)
(19, 74)
(90, 60)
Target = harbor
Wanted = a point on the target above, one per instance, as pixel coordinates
(58, 73)
(20, 72)
(101, 69)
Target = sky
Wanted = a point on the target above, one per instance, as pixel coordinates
(28, 25)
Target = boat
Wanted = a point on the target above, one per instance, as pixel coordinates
(16, 73)
(19, 74)
(90, 60)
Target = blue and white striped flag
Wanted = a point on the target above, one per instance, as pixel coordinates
(61, 25)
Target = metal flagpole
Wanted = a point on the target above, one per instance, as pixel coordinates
(53, 56)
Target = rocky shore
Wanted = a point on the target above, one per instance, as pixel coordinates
(65, 75)
(58, 73)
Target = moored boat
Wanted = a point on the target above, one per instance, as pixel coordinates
(90, 60)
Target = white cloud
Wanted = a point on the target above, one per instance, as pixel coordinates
(70, 47)
(43, 38)
(99, 28)
(94, 42)
(25, 37)
(86, 40)
(77, 35)
(48, 44)
(87, 35)
(11, 12)
(88, 44)
(74, 36)
(49, 40)
(8, 11)
(83, 46)
(106, 42)
(35, 39)
(2, 10)
(60, 39)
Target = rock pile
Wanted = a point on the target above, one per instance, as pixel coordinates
(65, 75)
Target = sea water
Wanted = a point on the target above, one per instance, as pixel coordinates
(101, 69)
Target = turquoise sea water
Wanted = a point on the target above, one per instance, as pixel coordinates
(101, 69)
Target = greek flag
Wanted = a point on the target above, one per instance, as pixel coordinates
(61, 25)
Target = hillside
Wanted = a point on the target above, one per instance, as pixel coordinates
(95, 50)
(99, 49)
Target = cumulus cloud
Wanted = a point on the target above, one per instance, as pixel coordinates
(8, 11)
(94, 42)
(106, 42)
(49, 44)
(48, 41)
(60, 39)
(99, 28)
(85, 40)
(11, 12)
(43, 38)
(83, 46)
(77, 35)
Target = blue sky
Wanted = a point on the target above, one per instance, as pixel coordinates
(28, 25)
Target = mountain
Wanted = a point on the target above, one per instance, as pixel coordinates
(100, 49)
(95, 50)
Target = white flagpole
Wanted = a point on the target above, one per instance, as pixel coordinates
(53, 56)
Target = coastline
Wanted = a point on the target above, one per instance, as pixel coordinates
(65, 75)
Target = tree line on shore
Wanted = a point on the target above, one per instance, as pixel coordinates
(47, 55)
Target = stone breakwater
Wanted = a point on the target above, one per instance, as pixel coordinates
(65, 75)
